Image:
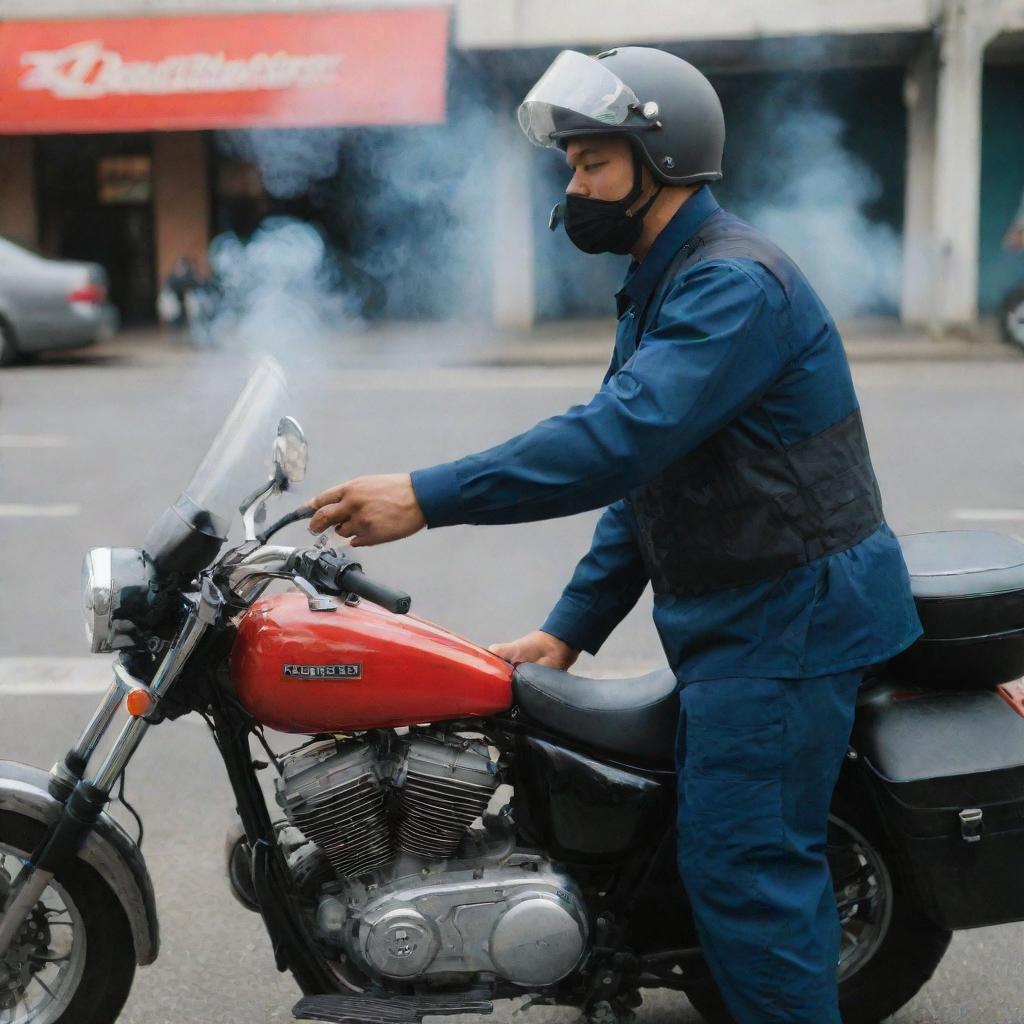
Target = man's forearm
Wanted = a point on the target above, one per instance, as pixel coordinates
(651, 411)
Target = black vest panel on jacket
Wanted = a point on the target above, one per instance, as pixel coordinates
(726, 514)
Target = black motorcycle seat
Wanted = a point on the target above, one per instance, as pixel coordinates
(633, 719)
(963, 563)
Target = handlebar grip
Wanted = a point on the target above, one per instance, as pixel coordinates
(356, 582)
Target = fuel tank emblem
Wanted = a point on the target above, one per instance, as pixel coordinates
(353, 670)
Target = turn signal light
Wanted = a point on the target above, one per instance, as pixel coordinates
(139, 703)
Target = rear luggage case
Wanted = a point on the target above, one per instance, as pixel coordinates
(969, 589)
(947, 772)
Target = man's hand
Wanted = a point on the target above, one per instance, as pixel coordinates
(369, 510)
(538, 647)
(1014, 238)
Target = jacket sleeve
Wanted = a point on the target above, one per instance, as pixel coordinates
(607, 582)
(716, 348)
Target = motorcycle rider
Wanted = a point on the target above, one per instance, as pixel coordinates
(727, 448)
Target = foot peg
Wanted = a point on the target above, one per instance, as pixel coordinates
(349, 1009)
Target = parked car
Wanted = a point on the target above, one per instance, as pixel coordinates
(1011, 316)
(48, 304)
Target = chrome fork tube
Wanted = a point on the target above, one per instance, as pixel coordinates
(126, 743)
(101, 718)
(86, 802)
(67, 773)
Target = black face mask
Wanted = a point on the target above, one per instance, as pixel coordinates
(603, 225)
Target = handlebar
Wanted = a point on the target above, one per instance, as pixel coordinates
(334, 571)
(337, 572)
(357, 582)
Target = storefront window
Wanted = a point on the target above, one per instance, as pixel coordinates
(124, 179)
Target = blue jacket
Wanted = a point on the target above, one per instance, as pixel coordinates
(709, 359)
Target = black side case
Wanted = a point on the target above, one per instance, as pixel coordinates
(947, 771)
(969, 589)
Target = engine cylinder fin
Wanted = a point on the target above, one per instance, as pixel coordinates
(454, 791)
(339, 796)
(437, 795)
(443, 796)
(440, 815)
(444, 790)
(337, 800)
(443, 800)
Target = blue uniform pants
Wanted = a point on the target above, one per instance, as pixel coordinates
(757, 761)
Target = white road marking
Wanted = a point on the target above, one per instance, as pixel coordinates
(455, 378)
(35, 441)
(39, 511)
(30, 677)
(989, 515)
(61, 677)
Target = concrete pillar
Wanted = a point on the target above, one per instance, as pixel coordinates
(513, 288)
(181, 199)
(919, 244)
(19, 219)
(967, 26)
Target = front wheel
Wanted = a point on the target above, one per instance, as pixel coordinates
(74, 960)
(889, 948)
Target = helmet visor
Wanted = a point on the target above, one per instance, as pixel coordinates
(576, 92)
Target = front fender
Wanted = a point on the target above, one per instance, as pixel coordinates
(109, 850)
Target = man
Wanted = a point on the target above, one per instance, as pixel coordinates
(727, 447)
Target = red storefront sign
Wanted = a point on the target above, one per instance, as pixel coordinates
(227, 71)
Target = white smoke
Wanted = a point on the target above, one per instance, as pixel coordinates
(414, 208)
(276, 288)
(290, 160)
(809, 193)
(405, 212)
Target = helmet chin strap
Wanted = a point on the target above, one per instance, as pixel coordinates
(638, 188)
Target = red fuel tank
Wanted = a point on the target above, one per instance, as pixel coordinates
(359, 667)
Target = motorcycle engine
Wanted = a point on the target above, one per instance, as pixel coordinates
(414, 894)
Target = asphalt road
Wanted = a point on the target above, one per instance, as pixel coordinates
(92, 449)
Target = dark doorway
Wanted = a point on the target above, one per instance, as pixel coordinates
(95, 203)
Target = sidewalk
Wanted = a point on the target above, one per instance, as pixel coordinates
(563, 343)
(589, 342)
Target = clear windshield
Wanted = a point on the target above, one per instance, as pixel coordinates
(241, 457)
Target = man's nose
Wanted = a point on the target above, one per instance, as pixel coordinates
(576, 188)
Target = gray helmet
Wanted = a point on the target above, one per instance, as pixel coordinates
(669, 111)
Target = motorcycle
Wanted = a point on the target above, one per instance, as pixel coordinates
(450, 829)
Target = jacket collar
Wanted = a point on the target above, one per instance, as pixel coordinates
(642, 278)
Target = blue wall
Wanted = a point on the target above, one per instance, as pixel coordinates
(1002, 180)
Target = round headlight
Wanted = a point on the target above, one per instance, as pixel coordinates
(117, 590)
(98, 598)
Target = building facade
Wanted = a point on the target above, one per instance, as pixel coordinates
(882, 141)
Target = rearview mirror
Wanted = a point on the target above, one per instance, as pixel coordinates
(291, 452)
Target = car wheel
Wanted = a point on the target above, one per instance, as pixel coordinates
(8, 345)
